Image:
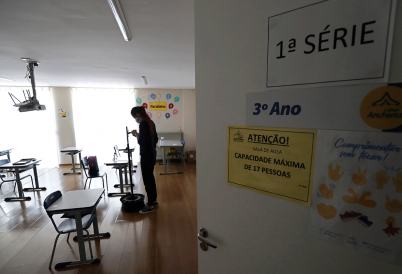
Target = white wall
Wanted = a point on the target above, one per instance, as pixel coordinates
(268, 235)
(64, 126)
(184, 119)
(189, 118)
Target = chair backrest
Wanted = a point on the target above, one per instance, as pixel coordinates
(84, 163)
(51, 198)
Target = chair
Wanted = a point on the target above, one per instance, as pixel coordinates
(84, 163)
(176, 155)
(67, 226)
(13, 179)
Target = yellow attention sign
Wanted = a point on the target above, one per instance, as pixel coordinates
(157, 106)
(273, 161)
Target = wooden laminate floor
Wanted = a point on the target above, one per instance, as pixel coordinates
(160, 242)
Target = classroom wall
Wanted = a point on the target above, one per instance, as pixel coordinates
(64, 125)
(185, 117)
(272, 236)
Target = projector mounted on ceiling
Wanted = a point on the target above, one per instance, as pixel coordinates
(31, 103)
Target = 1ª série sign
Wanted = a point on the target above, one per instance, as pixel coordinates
(272, 161)
(331, 42)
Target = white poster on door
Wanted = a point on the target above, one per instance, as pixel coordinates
(357, 192)
(333, 41)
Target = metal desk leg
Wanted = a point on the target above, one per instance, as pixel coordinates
(125, 178)
(8, 156)
(20, 192)
(122, 193)
(36, 182)
(164, 165)
(81, 246)
(73, 161)
(96, 234)
(81, 167)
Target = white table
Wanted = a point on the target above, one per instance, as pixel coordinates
(78, 201)
(164, 144)
(72, 151)
(120, 165)
(17, 169)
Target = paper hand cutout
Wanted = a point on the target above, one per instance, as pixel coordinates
(391, 230)
(369, 203)
(334, 175)
(325, 191)
(398, 182)
(381, 178)
(351, 200)
(360, 178)
(393, 206)
(354, 199)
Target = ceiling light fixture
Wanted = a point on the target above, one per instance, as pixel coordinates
(5, 79)
(120, 19)
(145, 80)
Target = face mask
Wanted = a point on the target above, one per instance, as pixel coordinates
(138, 120)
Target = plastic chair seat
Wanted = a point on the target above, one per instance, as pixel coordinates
(175, 154)
(68, 225)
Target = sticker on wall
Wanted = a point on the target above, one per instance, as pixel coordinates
(153, 96)
(382, 108)
(149, 115)
(145, 105)
(167, 115)
(168, 96)
(63, 114)
(158, 96)
(139, 100)
(157, 106)
(171, 106)
(175, 111)
(158, 114)
(176, 99)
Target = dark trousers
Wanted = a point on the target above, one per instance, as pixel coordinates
(148, 177)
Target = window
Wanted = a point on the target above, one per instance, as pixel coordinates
(31, 134)
(100, 120)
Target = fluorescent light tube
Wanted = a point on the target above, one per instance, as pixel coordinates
(5, 79)
(120, 19)
(145, 80)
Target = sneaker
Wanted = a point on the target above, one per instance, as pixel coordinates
(146, 209)
(349, 215)
(364, 221)
(155, 204)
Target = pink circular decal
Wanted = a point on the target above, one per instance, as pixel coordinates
(149, 115)
(175, 111)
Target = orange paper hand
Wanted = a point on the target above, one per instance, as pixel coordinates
(360, 178)
(381, 178)
(398, 182)
(351, 199)
(335, 175)
(369, 203)
(393, 206)
(325, 191)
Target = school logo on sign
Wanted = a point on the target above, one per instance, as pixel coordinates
(238, 137)
(382, 108)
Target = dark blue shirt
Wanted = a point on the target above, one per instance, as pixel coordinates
(147, 142)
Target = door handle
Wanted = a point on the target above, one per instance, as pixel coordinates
(204, 243)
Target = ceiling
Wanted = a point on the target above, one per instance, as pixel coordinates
(78, 43)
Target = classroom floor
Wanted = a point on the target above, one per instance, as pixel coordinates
(161, 242)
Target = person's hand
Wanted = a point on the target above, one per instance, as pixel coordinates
(381, 178)
(398, 182)
(360, 178)
(334, 175)
(134, 132)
